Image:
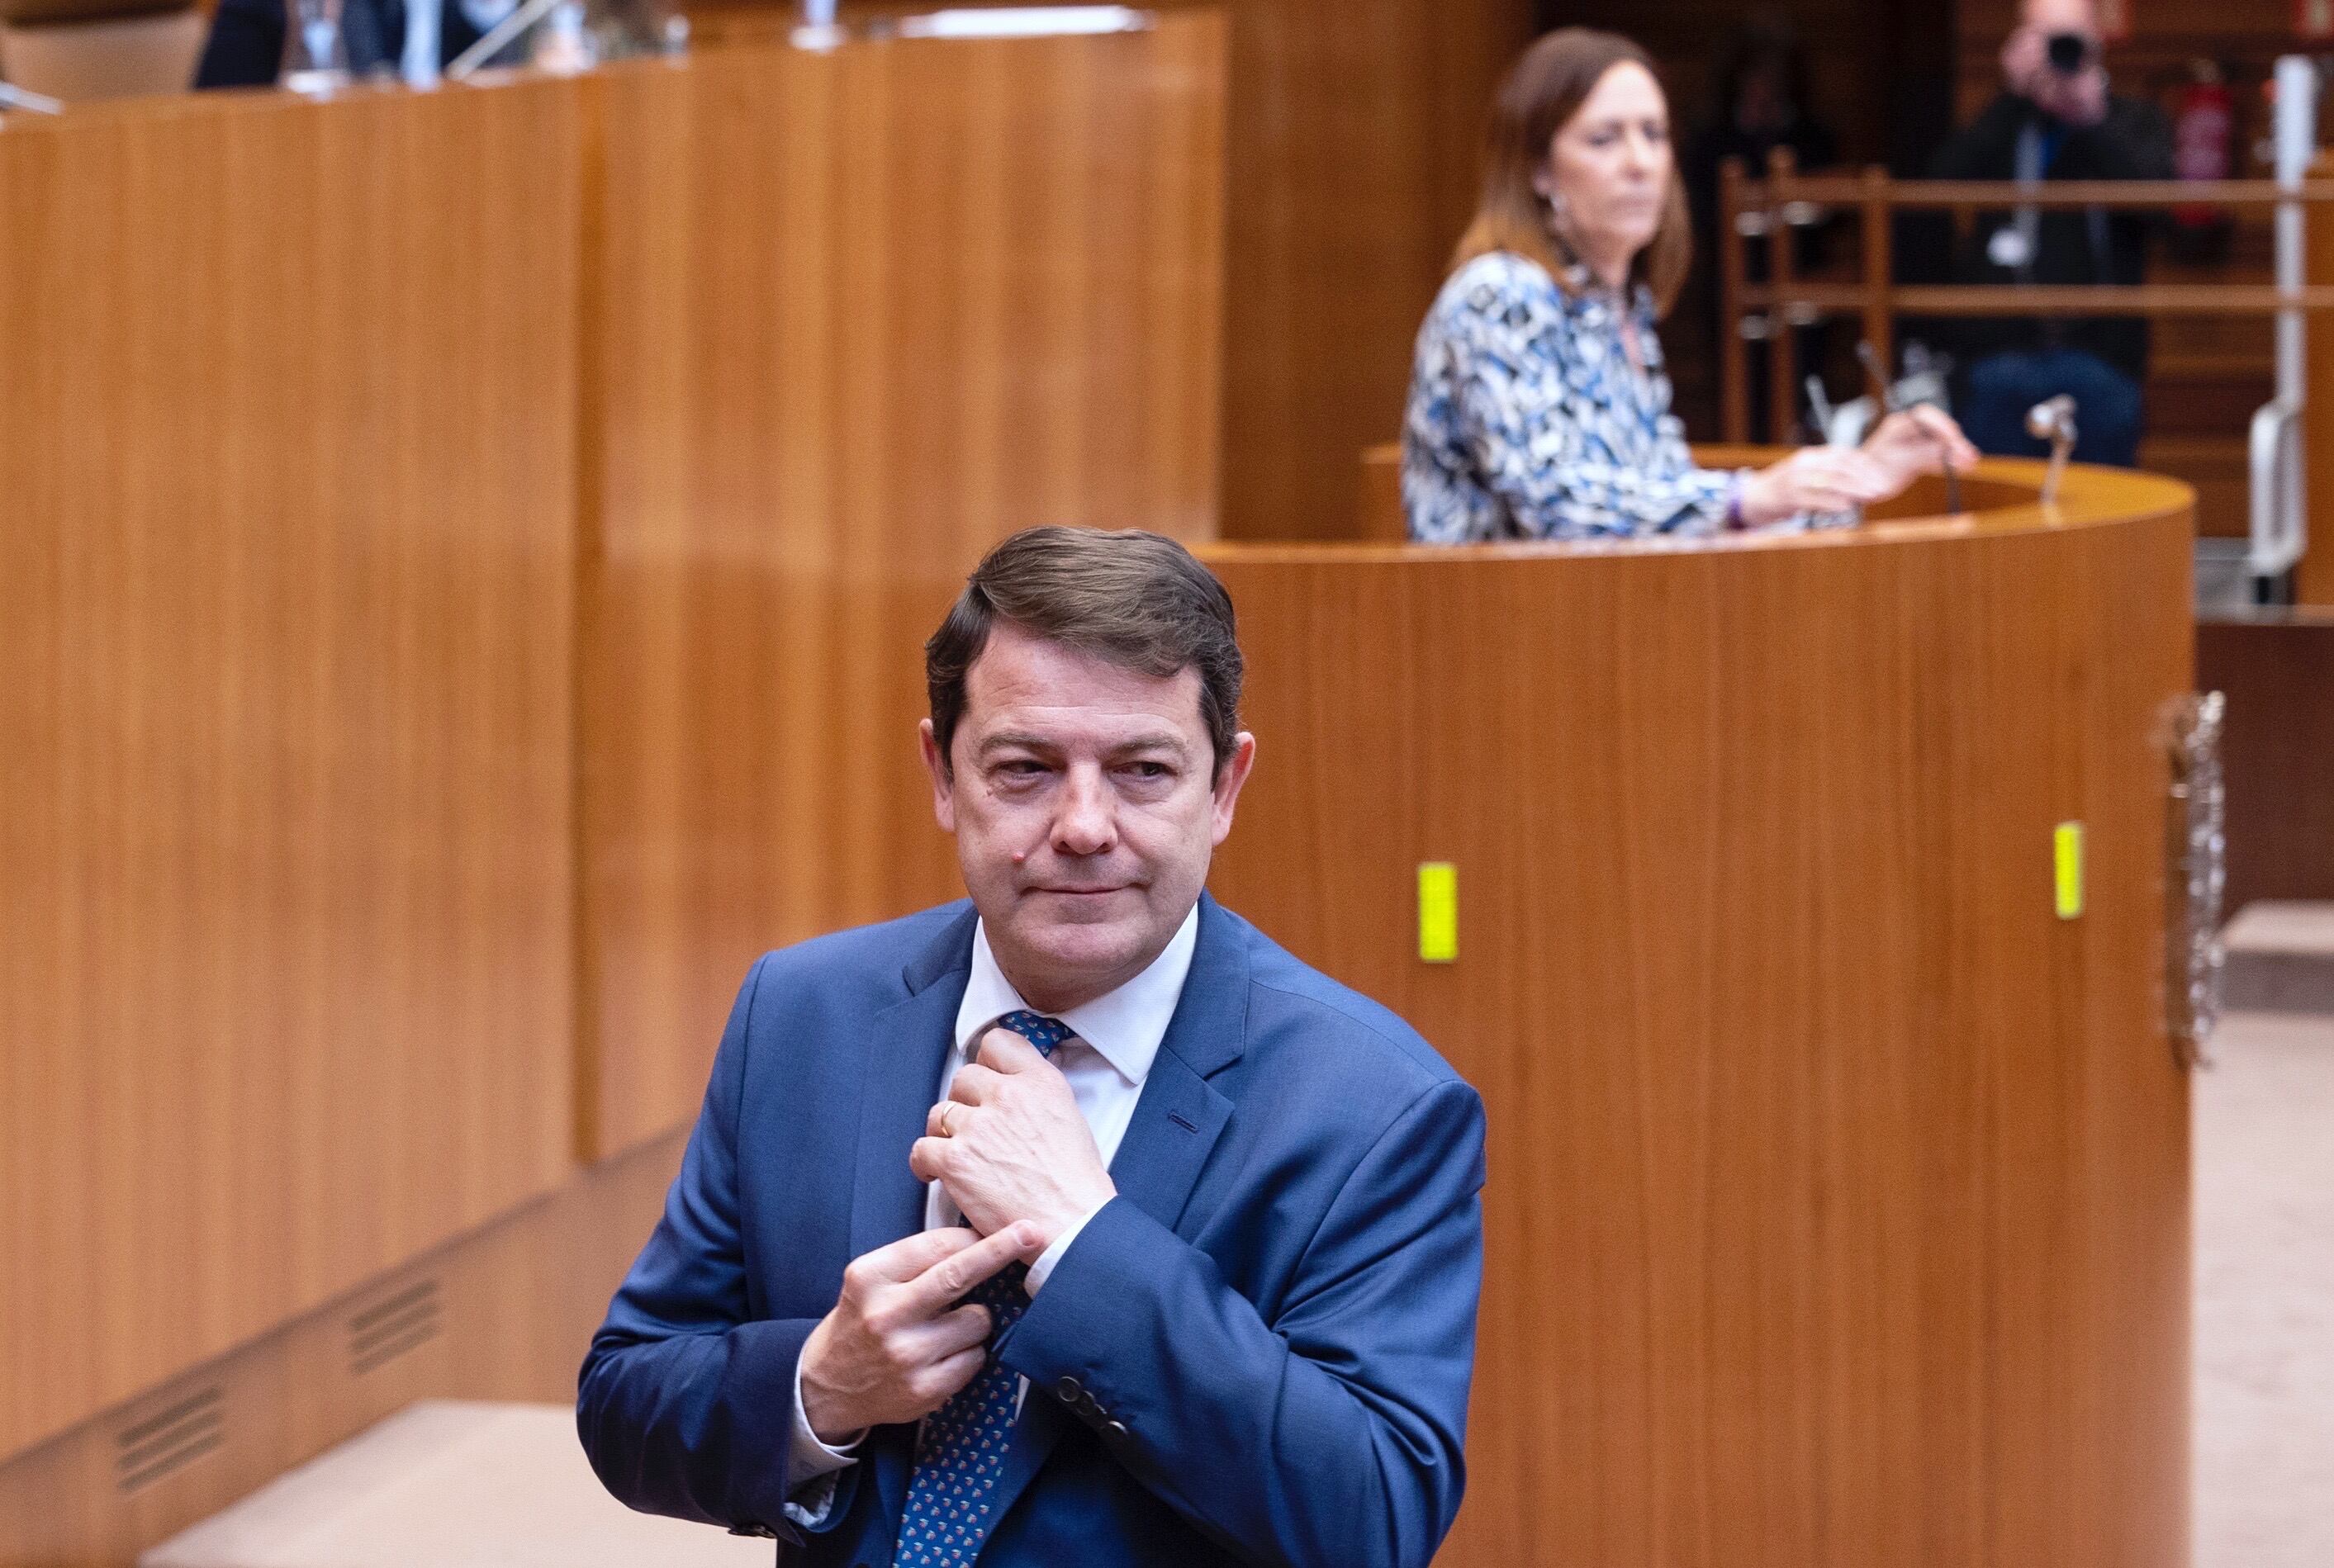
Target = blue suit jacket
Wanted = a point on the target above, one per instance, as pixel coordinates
(1258, 1352)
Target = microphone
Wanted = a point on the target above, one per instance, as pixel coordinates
(2053, 420)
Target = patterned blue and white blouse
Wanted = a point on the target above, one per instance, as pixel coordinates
(1527, 421)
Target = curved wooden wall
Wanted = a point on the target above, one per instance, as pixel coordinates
(1838, 1208)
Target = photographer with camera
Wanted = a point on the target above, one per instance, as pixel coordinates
(2055, 118)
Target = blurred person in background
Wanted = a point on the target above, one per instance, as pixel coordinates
(1538, 405)
(246, 45)
(1762, 101)
(2055, 118)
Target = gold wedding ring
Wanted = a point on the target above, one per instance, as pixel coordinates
(948, 1109)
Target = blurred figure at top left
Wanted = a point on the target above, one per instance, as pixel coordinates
(245, 46)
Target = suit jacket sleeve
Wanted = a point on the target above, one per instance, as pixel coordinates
(685, 1406)
(1330, 1435)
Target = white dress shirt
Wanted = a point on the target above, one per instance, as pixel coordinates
(1113, 1040)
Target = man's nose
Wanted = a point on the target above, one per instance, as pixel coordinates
(1086, 823)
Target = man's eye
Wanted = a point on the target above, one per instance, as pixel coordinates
(1151, 770)
(1021, 767)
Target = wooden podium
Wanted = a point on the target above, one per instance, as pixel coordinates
(1838, 1199)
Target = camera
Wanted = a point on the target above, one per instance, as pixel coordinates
(2069, 53)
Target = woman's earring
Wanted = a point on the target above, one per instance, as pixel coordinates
(1554, 206)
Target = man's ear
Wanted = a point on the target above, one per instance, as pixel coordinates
(943, 783)
(1228, 780)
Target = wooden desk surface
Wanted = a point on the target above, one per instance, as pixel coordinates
(2003, 493)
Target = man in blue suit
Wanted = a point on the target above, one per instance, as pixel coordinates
(1078, 1223)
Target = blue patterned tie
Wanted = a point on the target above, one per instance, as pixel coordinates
(960, 1449)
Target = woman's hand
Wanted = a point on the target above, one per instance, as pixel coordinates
(1921, 440)
(1816, 479)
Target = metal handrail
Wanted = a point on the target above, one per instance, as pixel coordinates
(1818, 300)
(1817, 191)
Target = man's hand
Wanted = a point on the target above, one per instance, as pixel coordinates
(896, 1346)
(2025, 57)
(1010, 1145)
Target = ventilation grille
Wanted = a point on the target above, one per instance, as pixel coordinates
(393, 1326)
(169, 1440)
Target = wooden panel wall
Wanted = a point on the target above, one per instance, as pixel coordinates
(1355, 157)
(285, 989)
(332, 483)
(2278, 750)
(502, 1313)
(1356, 129)
(968, 288)
(1839, 1206)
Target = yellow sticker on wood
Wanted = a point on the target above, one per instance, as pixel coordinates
(2066, 860)
(1437, 911)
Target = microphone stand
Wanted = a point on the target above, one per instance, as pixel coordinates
(502, 32)
(2053, 420)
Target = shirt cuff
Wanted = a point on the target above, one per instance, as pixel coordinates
(1044, 1267)
(809, 1459)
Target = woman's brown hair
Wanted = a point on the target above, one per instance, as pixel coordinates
(1542, 92)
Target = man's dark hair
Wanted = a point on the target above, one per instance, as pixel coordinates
(1137, 600)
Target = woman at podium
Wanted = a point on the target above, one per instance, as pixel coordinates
(1538, 405)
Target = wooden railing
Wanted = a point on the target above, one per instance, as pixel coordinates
(1786, 200)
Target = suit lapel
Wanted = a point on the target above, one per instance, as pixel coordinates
(1177, 1119)
(1180, 1115)
(901, 1052)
